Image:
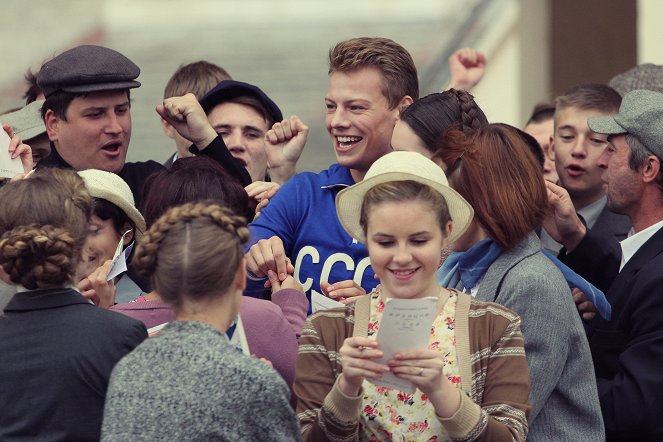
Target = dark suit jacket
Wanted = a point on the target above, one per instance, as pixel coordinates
(628, 349)
(57, 352)
(135, 174)
(602, 241)
(169, 162)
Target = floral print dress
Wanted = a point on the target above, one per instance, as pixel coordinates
(389, 414)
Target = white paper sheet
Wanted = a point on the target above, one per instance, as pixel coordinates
(119, 264)
(321, 302)
(8, 167)
(405, 325)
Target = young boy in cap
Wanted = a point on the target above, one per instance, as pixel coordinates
(243, 115)
(87, 113)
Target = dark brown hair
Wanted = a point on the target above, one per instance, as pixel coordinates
(431, 115)
(193, 179)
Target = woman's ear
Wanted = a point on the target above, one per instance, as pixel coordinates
(448, 229)
(239, 281)
(130, 234)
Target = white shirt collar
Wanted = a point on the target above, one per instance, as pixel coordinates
(635, 240)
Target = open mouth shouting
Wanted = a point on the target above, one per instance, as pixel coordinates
(113, 148)
(575, 170)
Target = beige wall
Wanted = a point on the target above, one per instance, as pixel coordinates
(518, 73)
(650, 31)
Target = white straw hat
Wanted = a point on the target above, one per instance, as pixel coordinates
(402, 166)
(111, 187)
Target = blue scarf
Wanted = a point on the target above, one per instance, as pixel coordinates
(468, 267)
(463, 270)
(574, 280)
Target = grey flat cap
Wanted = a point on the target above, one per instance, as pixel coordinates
(26, 122)
(641, 115)
(88, 69)
(643, 76)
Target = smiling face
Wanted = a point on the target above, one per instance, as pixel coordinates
(577, 149)
(96, 132)
(404, 241)
(243, 130)
(358, 118)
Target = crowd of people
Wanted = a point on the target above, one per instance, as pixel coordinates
(177, 301)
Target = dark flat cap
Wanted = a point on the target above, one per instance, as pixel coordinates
(229, 89)
(88, 69)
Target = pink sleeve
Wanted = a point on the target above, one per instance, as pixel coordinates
(294, 306)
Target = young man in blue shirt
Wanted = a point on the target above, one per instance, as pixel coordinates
(371, 80)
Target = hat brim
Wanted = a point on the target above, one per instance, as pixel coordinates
(28, 134)
(350, 200)
(132, 213)
(100, 87)
(605, 125)
(230, 89)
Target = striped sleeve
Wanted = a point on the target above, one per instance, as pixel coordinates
(324, 412)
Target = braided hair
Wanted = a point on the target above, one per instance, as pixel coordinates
(193, 251)
(431, 115)
(43, 226)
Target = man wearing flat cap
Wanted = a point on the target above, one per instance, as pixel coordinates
(628, 349)
(87, 114)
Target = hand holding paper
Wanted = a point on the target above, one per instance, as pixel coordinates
(405, 326)
(10, 162)
(359, 355)
(97, 288)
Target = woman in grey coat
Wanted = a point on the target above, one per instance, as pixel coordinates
(190, 382)
(501, 261)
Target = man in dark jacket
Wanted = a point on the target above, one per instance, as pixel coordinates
(628, 349)
(87, 113)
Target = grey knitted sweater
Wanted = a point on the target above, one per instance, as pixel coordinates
(189, 383)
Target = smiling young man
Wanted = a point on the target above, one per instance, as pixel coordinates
(87, 113)
(576, 149)
(371, 80)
